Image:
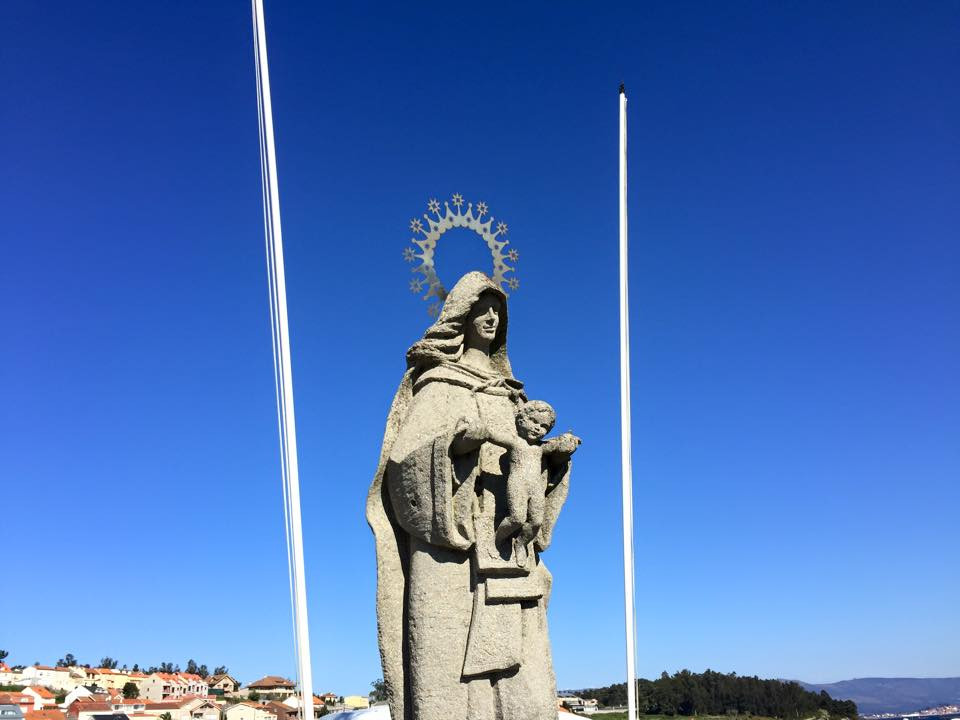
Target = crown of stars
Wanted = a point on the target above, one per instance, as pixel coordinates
(434, 223)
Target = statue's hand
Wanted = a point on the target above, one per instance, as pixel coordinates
(565, 444)
(468, 435)
(465, 426)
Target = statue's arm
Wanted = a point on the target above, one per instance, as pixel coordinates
(469, 434)
(557, 453)
(557, 450)
(429, 468)
(556, 465)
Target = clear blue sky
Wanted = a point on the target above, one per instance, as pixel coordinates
(795, 170)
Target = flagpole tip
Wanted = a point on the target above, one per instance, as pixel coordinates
(623, 90)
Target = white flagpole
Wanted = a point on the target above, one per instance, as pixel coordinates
(626, 463)
(282, 368)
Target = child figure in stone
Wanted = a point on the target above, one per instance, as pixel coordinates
(527, 478)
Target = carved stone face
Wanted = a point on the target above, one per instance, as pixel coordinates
(482, 322)
(533, 426)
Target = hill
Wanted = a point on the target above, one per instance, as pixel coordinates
(713, 693)
(893, 695)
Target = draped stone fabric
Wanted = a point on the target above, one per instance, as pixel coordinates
(462, 628)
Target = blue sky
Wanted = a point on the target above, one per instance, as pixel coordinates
(794, 179)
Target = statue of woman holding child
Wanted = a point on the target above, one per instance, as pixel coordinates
(464, 500)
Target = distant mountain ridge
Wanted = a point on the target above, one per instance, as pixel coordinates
(892, 695)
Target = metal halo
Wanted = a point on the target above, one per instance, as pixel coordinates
(436, 227)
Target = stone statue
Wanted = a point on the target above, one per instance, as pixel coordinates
(464, 500)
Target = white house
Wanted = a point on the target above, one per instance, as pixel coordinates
(78, 692)
(196, 685)
(8, 676)
(249, 711)
(89, 708)
(586, 706)
(58, 678)
(293, 703)
(107, 678)
(273, 685)
(223, 684)
(190, 708)
(42, 698)
(172, 686)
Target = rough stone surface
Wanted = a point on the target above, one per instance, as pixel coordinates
(461, 612)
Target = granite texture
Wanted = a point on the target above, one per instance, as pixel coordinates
(464, 501)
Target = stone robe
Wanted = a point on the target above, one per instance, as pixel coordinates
(462, 632)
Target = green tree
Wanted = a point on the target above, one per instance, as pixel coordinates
(165, 716)
(130, 690)
(203, 672)
(67, 660)
(379, 692)
(108, 662)
(254, 695)
(3, 654)
(712, 693)
(221, 670)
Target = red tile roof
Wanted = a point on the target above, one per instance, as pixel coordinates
(47, 714)
(96, 707)
(271, 681)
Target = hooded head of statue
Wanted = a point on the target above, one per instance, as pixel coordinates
(445, 340)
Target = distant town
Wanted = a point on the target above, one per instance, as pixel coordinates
(942, 711)
(70, 691)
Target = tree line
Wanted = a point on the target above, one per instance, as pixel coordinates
(714, 693)
(69, 660)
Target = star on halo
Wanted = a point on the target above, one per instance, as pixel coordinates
(502, 228)
(433, 206)
(408, 254)
(481, 208)
(513, 283)
(416, 225)
(513, 255)
(457, 200)
(416, 286)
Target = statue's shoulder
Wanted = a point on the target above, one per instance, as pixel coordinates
(448, 373)
(451, 377)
